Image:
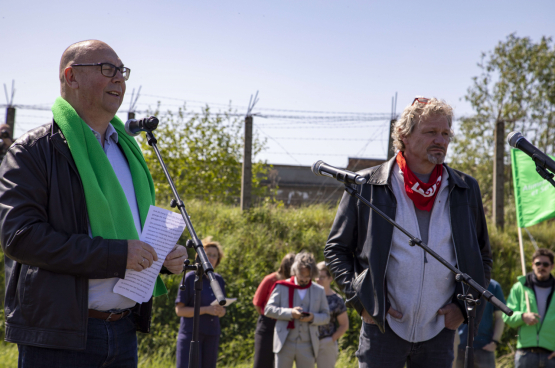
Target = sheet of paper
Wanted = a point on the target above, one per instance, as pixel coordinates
(228, 301)
(161, 231)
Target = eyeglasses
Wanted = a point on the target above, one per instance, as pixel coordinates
(422, 100)
(109, 70)
(545, 264)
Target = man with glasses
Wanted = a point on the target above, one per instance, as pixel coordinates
(531, 299)
(406, 298)
(74, 194)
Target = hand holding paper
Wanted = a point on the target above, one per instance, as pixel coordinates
(161, 231)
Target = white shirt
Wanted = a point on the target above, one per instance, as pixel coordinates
(101, 295)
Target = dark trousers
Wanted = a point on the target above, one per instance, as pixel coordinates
(389, 350)
(526, 359)
(264, 342)
(482, 358)
(208, 350)
(109, 344)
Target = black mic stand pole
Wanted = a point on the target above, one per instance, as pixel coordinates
(469, 299)
(204, 267)
(540, 169)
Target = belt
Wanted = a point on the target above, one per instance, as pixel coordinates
(537, 350)
(107, 316)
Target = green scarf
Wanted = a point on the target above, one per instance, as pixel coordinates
(109, 214)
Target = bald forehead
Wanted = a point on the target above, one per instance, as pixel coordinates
(85, 52)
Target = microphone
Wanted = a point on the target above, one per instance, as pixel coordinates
(133, 127)
(516, 140)
(344, 176)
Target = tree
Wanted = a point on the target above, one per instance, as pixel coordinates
(203, 153)
(516, 87)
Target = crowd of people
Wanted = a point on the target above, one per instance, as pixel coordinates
(75, 194)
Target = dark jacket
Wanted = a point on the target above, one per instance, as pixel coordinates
(49, 256)
(357, 250)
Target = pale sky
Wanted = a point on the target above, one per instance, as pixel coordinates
(330, 56)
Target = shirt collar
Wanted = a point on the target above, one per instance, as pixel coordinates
(111, 134)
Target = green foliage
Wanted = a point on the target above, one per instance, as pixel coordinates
(254, 243)
(517, 86)
(203, 153)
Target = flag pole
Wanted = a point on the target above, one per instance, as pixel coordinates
(523, 264)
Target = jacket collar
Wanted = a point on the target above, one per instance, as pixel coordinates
(382, 175)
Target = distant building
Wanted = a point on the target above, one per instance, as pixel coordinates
(297, 185)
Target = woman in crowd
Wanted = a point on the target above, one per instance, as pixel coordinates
(300, 306)
(209, 326)
(338, 325)
(264, 334)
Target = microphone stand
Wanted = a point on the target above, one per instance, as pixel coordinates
(541, 169)
(469, 299)
(201, 268)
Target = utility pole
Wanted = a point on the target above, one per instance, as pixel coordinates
(499, 174)
(246, 179)
(10, 118)
(390, 148)
(10, 109)
(133, 103)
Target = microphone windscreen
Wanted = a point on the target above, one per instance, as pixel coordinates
(128, 128)
(513, 137)
(316, 167)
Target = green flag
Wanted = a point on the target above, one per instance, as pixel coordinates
(534, 196)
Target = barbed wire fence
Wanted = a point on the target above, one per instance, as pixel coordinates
(299, 125)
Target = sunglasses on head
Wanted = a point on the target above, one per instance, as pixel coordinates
(545, 264)
(421, 100)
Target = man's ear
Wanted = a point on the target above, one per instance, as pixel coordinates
(69, 77)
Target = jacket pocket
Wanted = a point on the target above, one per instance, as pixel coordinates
(51, 300)
(357, 283)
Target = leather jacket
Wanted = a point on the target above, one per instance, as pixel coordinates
(49, 256)
(358, 247)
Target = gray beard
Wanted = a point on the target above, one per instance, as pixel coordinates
(435, 159)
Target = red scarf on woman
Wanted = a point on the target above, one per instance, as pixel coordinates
(292, 286)
(422, 194)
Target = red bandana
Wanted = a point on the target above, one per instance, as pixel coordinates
(422, 194)
(292, 286)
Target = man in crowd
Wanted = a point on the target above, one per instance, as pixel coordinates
(299, 306)
(534, 313)
(74, 195)
(489, 333)
(407, 299)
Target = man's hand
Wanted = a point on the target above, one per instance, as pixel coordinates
(308, 318)
(530, 318)
(174, 260)
(140, 255)
(552, 355)
(296, 312)
(490, 347)
(453, 316)
(394, 313)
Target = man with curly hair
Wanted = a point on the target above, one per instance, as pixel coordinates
(406, 298)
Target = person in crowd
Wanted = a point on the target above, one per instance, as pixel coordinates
(6, 140)
(531, 300)
(74, 195)
(300, 306)
(489, 333)
(264, 334)
(338, 324)
(407, 299)
(209, 324)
